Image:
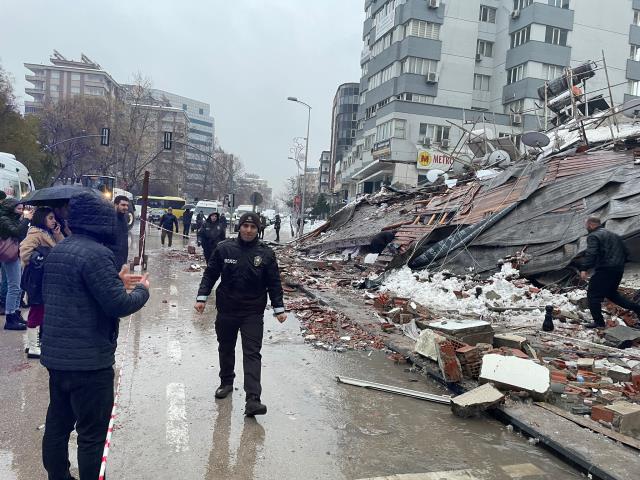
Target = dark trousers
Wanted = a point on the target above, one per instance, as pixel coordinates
(251, 328)
(277, 234)
(604, 284)
(168, 234)
(186, 229)
(83, 400)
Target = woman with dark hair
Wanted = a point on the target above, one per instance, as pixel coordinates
(43, 234)
(210, 234)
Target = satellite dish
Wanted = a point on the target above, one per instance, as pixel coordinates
(499, 158)
(433, 175)
(631, 108)
(535, 139)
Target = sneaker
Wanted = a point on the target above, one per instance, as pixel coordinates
(223, 391)
(253, 407)
(595, 325)
(12, 323)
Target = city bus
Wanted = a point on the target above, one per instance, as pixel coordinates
(158, 206)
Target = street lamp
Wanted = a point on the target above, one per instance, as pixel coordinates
(306, 156)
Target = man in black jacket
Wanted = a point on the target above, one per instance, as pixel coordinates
(607, 253)
(210, 235)
(120, 247)
(84, 298)
(167, 222)
(186, 221)
(249, 271)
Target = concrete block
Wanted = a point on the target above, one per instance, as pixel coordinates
(508, 340)
(619, 374)
(515, 373)
(601, 413)
(467, 331)
(586, 364)
(476, 401)
(622, 336)
(626, 417)
(427, 344)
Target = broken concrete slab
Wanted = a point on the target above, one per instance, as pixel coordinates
(467, 331)
(626, 417)
(509, 340)
(619, 374)
(515, 373)
(622, 336)
(476, 401)
(586, 364)
(427, 344)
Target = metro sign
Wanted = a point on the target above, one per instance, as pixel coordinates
(428, 160)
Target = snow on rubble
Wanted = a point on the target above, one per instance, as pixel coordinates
(502, 297)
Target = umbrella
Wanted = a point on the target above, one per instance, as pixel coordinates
(46, 196)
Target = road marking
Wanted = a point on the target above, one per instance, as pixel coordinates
(177, 426)
(174, 351)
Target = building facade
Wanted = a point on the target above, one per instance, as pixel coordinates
(433, 69)
(344, 123)
(324, 178)
(65, 78)
(201, 135)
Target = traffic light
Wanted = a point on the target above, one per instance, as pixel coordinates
(105, 133)
(168, 140)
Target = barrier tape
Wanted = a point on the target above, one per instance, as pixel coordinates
(158, 227)
(112, 420)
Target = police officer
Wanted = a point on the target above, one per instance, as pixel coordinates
(249, 271)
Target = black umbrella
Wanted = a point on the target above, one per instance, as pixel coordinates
(58, 193)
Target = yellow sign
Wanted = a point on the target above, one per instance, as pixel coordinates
(424, 159)
(433, 161)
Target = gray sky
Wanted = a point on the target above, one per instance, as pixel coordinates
(243, 57)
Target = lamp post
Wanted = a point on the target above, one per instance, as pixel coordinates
(306, 156)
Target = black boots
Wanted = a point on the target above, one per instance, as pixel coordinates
(14, 321)
(254, 407)
(223, 391)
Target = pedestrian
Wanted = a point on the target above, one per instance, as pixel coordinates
(120, 247)
(224, 222)
(607, 254)
(14, 223)
(84, 298)
(186, 221)
(263, 225)
(61, 211)
(210, 235)
(167, 222)
(248, 270)
(42, 236)
(276, 227)
(199, 220)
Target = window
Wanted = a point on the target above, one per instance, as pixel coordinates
(417, 98)
(516, 74)
(184, 107)
(635, 53)
(521, 36)
(634, 88)
(393, 128)
(436, 133)
(94, 91)
(201, 111)
(419, 66)
(75, 90)
(365, 69)
(381, 77)
(559, 3)
(550, 72)
(75, 76)
(487, 14)
(368, 141)
(55, 74)
(481, 82)
(381, 45)
(520, 4)
(418, 28)
(636, 17)
(556, 36)
(514, 107)
(485, 48)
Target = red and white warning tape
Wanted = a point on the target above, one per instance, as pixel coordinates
(116, 399)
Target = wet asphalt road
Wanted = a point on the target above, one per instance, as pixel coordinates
(170, 426)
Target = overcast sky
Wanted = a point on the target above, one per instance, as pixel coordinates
(243, 57)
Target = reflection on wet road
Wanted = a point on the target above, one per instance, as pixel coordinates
(170, 426)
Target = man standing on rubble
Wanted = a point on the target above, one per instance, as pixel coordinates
(607, 254)
(248, 270)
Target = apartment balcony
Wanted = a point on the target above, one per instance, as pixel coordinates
(35, 78)
(35, 92)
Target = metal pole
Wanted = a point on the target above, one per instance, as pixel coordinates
(606, 72)
(140, 260)
(304, 174)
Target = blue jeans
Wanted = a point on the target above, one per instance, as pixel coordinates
(3, 287)
(13, 272)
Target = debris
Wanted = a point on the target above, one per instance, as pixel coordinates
(427, 343)
(448, 362)
(508, 340)
(443, 399)
(467, 331)
(622, 336)
(476, 401)
(626, 417)
(515, 373)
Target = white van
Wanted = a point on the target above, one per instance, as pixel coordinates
(15, 180)
(207, 207)
(239, 211)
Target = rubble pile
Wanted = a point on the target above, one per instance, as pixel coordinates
(331, 330)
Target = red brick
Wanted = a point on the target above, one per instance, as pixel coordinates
(599, 412)
(635, 379)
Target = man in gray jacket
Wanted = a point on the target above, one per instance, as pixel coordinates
(607, 254)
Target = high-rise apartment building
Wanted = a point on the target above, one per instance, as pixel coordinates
(343, 130)
(65, 78)
(432, 69)
(324, 185)
(201, 135)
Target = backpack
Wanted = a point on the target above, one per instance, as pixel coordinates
(32, 275)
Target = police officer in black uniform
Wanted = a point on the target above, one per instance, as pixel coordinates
(249, 270)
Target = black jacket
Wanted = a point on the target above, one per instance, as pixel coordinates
(120, 247)
(83, 296)
(186, 217)
(168, 220)
(11, 226)
(210, 235)
(605, 249)
(248, 272)
(277, 223)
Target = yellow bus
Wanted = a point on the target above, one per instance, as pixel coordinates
(158, 206)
